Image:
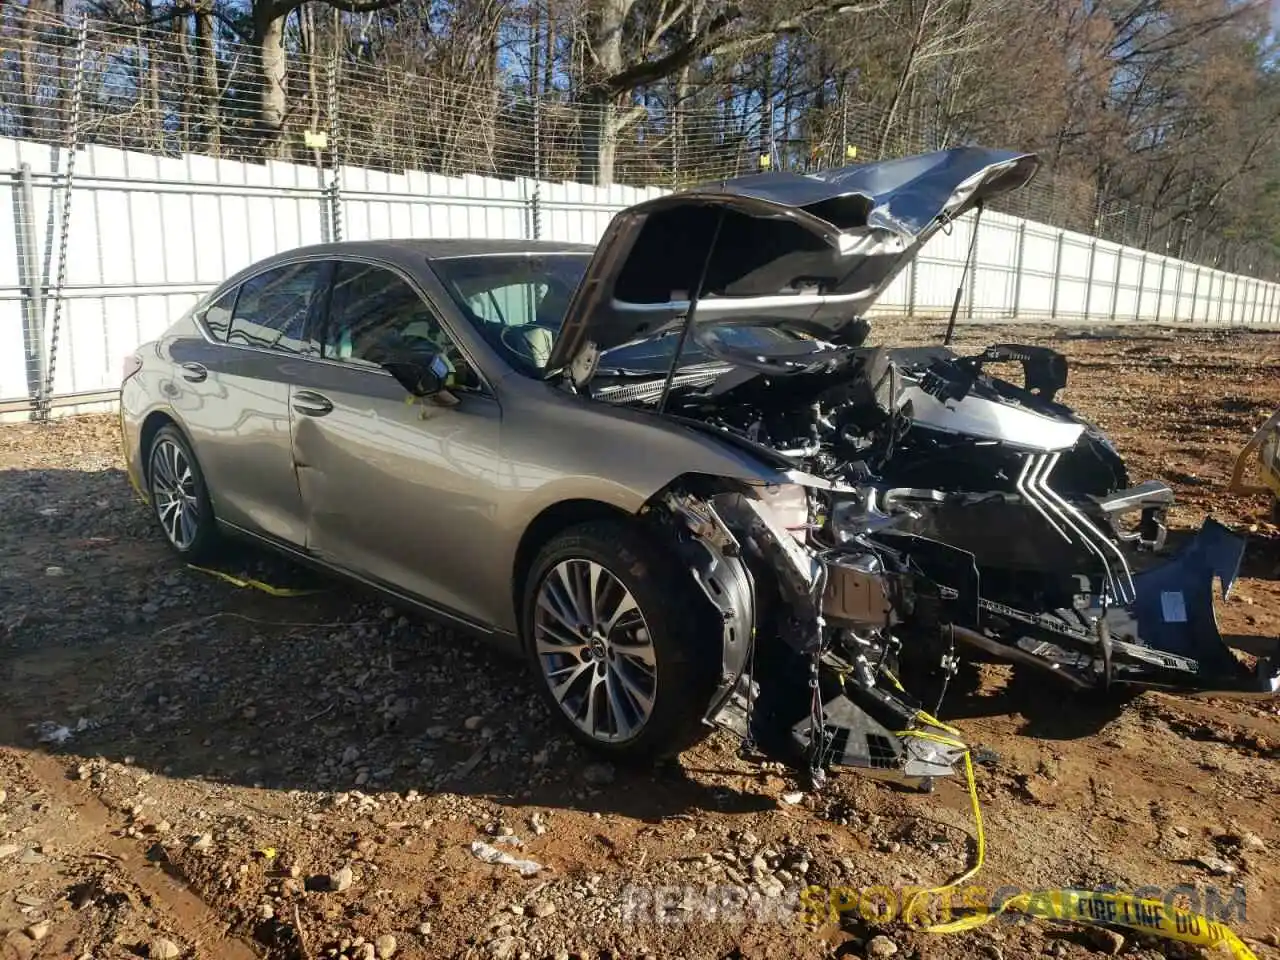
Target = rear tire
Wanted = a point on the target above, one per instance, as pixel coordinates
(179, 498)
(618, 641)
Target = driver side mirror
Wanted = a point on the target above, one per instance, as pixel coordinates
(418, 377)
(422, 374)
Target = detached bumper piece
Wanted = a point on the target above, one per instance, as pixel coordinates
(1166, 638)
(852, 737)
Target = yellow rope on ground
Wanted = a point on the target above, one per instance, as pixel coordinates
(254, 584)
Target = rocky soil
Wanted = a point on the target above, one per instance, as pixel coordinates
(188, 768)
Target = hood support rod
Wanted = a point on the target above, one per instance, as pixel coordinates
(968, 264)
(694, 297)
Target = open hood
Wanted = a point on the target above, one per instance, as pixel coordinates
(809, 250)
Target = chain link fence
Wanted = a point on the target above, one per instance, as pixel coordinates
(146, 164)
(176, 89)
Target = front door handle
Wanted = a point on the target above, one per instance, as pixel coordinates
(312, 404)
(195, 372)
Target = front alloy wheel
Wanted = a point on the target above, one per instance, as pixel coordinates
(595, 650)
(624, 649)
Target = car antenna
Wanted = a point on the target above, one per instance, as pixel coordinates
(693, 307)
(968, 262)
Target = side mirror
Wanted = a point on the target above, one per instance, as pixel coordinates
(423, 375)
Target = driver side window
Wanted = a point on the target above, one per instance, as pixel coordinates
(373, 309)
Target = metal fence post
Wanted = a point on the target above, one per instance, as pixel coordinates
(1235, 289)
(1019, 253)
(1195, 289)
(1177, 292)
(72, 142)
(1088, 279)
(1222, 295)
(1115, 285)
(973, 262)
(1164, 265)
(535, 202)
(333, 199)
(1142, 288)
(1057, 272)
(30, 282)
(911, 286)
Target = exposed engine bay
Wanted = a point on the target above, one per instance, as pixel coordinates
(937, 510)
(908, 504)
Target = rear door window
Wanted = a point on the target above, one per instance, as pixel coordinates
(272, 309)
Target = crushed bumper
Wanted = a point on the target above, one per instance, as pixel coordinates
(1167, 637)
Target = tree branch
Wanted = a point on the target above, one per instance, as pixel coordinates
(713, 37)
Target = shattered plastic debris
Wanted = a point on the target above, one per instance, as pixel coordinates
(49, 731)
(491, 854)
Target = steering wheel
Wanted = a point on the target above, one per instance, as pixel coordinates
(529, 341)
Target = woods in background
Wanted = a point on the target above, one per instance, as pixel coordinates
(1159, 120)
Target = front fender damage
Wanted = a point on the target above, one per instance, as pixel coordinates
(807, 636)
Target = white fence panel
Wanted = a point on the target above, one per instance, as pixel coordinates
(149, 234)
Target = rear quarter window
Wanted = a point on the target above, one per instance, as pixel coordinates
(217, 316)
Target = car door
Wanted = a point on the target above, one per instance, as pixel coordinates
(232, 395)
(398, 490)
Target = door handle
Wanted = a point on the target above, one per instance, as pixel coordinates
(311, 404)
(195, 372)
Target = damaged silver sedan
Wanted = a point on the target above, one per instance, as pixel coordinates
(670, 473)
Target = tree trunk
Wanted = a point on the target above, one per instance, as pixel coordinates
(31, 122)
(272, 99)
(599, 118)
(207, 67)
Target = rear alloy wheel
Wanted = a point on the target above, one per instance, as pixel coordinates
(612, 636)
(179, 497)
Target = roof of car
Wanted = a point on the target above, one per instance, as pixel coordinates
(437, 249)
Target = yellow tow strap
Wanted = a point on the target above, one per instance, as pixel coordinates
(1089, 907)
(951, 740)
(1079, 906)
(255, 584)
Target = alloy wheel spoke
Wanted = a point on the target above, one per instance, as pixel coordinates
(551, 601)
(641, 699)
(593, 645)
(622, 724)
(561, 687)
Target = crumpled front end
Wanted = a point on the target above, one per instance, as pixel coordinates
(809, 632)
(819, 604)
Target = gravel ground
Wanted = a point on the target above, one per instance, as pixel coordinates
(188, 768)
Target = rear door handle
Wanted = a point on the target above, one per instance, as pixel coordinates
(312, 404)
(195, 372)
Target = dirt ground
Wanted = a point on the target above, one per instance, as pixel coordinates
(189, 768)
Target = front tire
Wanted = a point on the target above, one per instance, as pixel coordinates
(617, 638)
(179, 498)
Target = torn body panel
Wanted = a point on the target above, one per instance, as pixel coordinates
(897, 540)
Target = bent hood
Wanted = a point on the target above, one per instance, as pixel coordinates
(812, 251)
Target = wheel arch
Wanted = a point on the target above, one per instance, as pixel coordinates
(153, 423)
(569, 512)
(554, 518)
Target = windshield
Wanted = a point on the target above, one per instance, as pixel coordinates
(517, 302)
